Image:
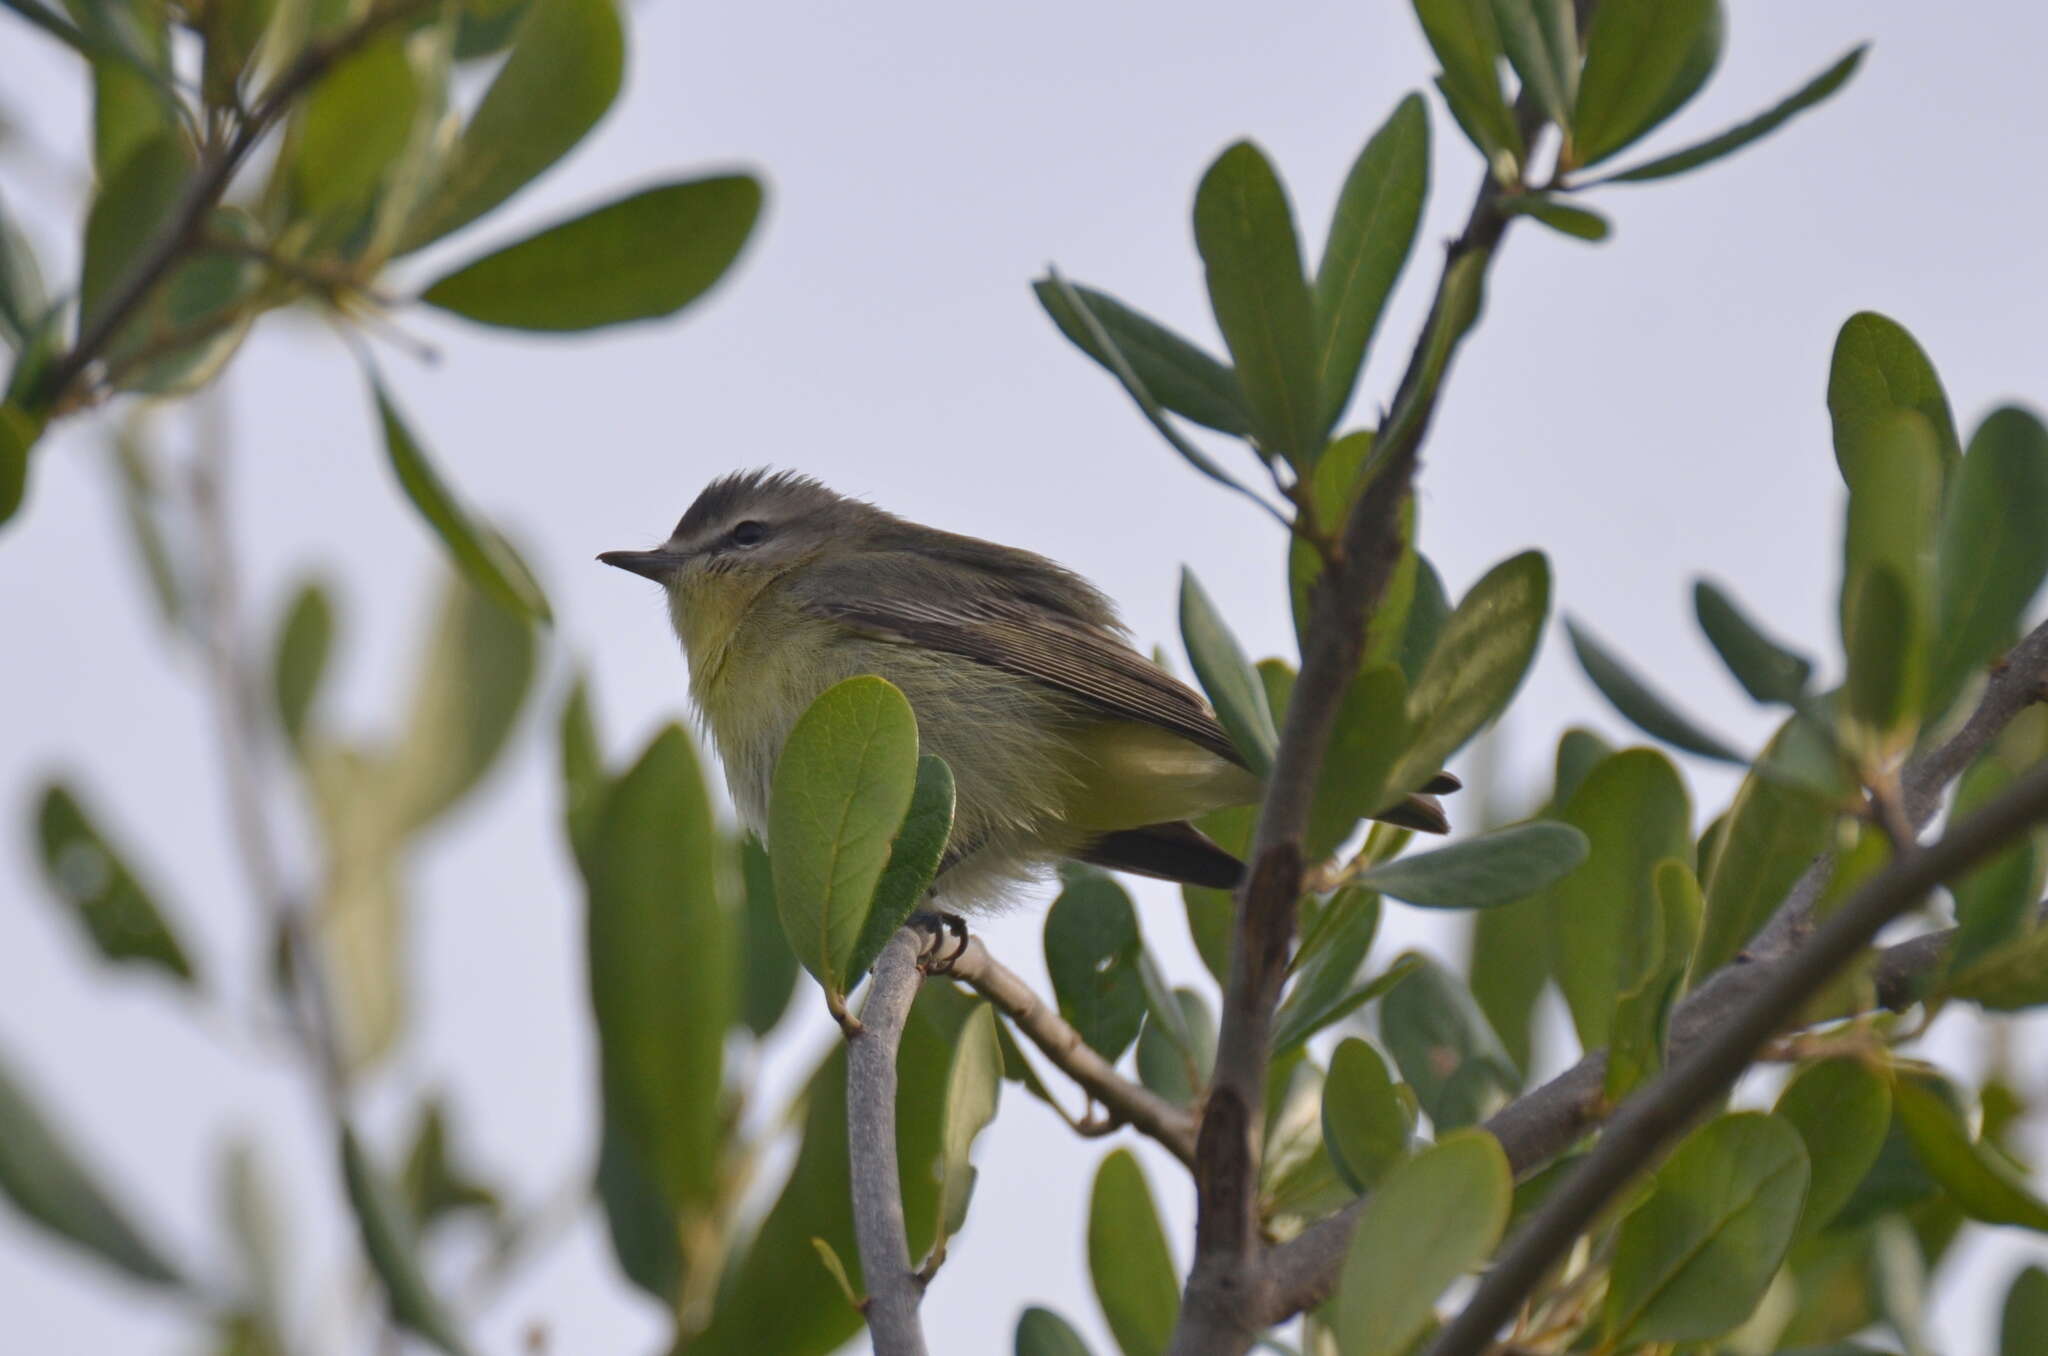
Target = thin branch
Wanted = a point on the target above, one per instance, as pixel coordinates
(2015, 683)
(1648, 1122)
(894, 1290)
(177, 233)
(1128, 1103)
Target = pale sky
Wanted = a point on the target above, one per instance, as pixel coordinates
(1644, 410)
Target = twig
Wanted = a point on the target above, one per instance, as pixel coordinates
(893, 1288)
(1128, 1103)
(209, 183)
(1651, 1119)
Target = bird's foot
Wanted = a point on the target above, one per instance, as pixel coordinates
(938, 958)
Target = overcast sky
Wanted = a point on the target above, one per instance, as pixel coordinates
(1644, 410)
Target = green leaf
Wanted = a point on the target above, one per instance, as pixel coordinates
(353, 127)
(1326, 968)
(1982, 1181)
(1882, 635)
(1227, 677)
(1878, 371)
(1428, 615)
(842, 788)
(1332, 487)
(563, 73)
(1633, 809)
(436, 1183)
(1767, 670)
(393, 1251)
(584, 779)
(1842, 1110)
(1177, 374)
(1693, 1260)
(1995, 901)
(1135, 1280)
(195, 320)
(1740, 135)
(1444, 1048)
(1541, 38)
(914, 856)
(1041, 1332)
(1462, 34)
(1773, 832)
(1988, 563)
(1644, 60)
(1483, 872)
(1177, 1067)
(972, 1084)
(2025, 1316)
(1476, 664)
(232, 30)
(485, 558)
(1640, 704)
(1642, 1015)
(1367, 1127)
(769, 967)
(1371, 234)
(1252, 261)
(131, 206)
(2012, 978)
(662, 952)
(24, 299)
(51, 1186)
(1371, 734)
(473, 679)
(642, 257)
(1440, 1214)
(1092, 950)
(305, 638)
(1577, 222)
(86, 871)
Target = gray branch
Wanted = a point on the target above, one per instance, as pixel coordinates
(894, 1290)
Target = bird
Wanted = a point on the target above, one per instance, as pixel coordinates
(1064, 741)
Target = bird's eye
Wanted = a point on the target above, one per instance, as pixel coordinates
(749, 533)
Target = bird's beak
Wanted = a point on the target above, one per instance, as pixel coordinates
(655, 565)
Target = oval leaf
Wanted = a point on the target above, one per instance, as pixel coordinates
(299, 658)
(973, 1082)
(1644, 60)
(1772, 833)
(1982, 1182)
(1366, 1124)
(1842, 1109)
(1483, 872)
(1767, 670)
(1878, 370)
(1041, 1332)
(1226, 676)
(1135, 1280)
(1467, 44)
(914, 856)
(1444, 1047)
(1637, 701)
(1992, 553)
(85, 871)
(1177, 374)
(1092, 951)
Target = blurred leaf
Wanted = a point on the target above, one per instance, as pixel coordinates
(639, 258)
(1298, 1184)
(1989, 565)
(1228, 678)
(1633, 809)
(51, 1186)
(1370, 236)
(192, 323)
(1428, 614)
(585, 781)
(136, 198)
(486, 559)
(914, 855)
(1175, 1069)
(1742, 134)
(563, 73)
(434, 1184)
(1092, 950)
(1041, 1332)
(473, 679)
(1135, 1279)
(662, 950)
(1773, 832)
(1883, 637)
(1366, 1125)
(1640, 704)
(23, 298)
(769, 966)
(1444, 1048)
(1251, 259)
(1641, 1028)
(1577, 222)
(1693, 1260)
(1841, 1109)
(1326, 968)
(1212, 914)
(1440, 1214)
(1371, 733)
(1878, 371)
(250, 1217)
(1767, 670)
(1483, 872)
(2025, 1315)
(393, 1251)
(973, 1082)
(87, 873)
(305, 637)
(1996, 900)
(1332, 487)
(352, 128)
(1983, 1182)
(1644, 60)
(1462, 34)
(2011, 978)
(1541, 38)
(1179, 375)
(133, 98)
(232, 30)
(1476, 665)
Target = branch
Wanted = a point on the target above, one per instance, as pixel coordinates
(2016, 682)
(178, 232)
(894, 1290)
(1130, 1103)
(1650, 1120)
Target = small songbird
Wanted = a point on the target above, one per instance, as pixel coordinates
(1064, 741)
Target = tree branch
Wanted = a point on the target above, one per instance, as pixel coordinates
(1131, 1103)
(1650, 1120)
(894, 1290)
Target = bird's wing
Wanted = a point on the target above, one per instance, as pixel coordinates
(904, 600)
